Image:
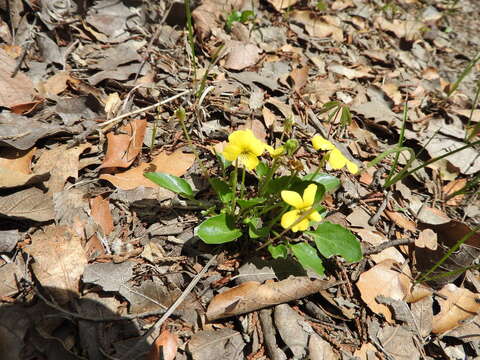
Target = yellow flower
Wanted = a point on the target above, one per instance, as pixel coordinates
(275, 152)
(245, 147)
(302, 204)
(334, 157)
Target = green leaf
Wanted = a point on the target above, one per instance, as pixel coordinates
(308, 257)
(330, 182)
(279, 251)
(280, 183)
(234, 16)
(170, 182)
(333, 239)
(224, 193)
(224, 162)
(255, 229)
(247, 15)
(218, 230)
(245, 204)
(262, 169)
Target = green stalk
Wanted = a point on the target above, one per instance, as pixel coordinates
(476, 128)
(191, 39)
(400, 143)
(242, 186)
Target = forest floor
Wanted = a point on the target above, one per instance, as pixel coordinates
(98, 262)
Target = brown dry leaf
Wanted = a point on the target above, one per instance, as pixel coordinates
(124, 147)
(299, 76)
(282, 4)
(55, 84)
(15, 168)
(268, 117)
(207, 15)
(366, 352)
(384, 279)
(359, 72)
(391, 89)
(318, 26)
(427, 239)
(164, 347)
(375, 238)
(59, 260)
(432, 216)
(62, 163)
(30, 204)
(101, 214)
(176, 164)
(409, 30)
(453, 186)
(252, 295)
(13, 91)
(459, 305)
(401, 220)
(241, 55)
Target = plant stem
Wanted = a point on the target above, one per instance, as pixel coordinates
(242, 186)
(234, 182)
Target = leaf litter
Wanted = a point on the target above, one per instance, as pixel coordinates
(84, 235)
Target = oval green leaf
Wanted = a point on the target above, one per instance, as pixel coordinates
(308, 257)
(333, 239)
(218, 229)
(170, 182)
(279, 251)
(248, 203)
(330, 182)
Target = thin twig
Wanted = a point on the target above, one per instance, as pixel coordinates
(155, 330)
(374, 219)
(386, 245)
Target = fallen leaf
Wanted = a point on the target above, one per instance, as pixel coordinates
(407, 29)
(59, 261)
(32, 204)
(427, 239)
(432, 216)
(176, 164)
(401, 220)
(358, 72)
(164, 347)
(124, 147)
(299, 76)
(292, 329)
(268, 117)
(241, 55)
(252, 295)
(16, 90)
(15, 168)
(317, 26)
(282, 4)
(101, 214)
(216, 344)
(375, 238)
(453, 186)
(62, 163)
(366, 352)
(54, 85)
(459, 305)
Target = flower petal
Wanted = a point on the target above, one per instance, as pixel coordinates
(249, 160)
(309, 195)
(292, 198)
(240, 137)
(301, 226)
(255, 146)
(352, 167)
(289, 218)
(315, 216)
(336, 159)
(320, 143)
(231, 152)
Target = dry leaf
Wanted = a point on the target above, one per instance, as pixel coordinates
(299, 76)
(282, 4)
(16, 90)
(268, 117)
(318, 26)
(30, 204)
(55, 84)
(176, 164)
(453, 186)
(252, 295)
(401, 220)
(164, 347)
(358, 72)
(101, 214)
(460, 304)
(62, 163)
(375, 238)
(124, 147)
(427, 239)
(15, 168)
(59, 260)
(409, 30)
(241, 55)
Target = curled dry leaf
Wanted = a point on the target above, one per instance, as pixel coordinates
(460, 304)
(282, 4)
(101, 214)
(387, 279)
(164, 347)
(252, 295)
(176, 163)
(401, 220)
(318, 26)
(59, 260)
(124, 147)
(15, 168)
(453, 186)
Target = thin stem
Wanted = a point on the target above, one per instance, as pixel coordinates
(234, 182)
(269, 176)
(242, 187)
(400, 143)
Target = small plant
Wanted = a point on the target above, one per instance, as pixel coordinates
(282, 213)
(237, 16)
(336, 108)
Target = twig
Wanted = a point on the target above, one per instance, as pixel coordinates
(386, 245)
(155, 330)
(374, 219)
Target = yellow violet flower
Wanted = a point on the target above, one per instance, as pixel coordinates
(334, 157)
(302, 204)
(245, 147)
